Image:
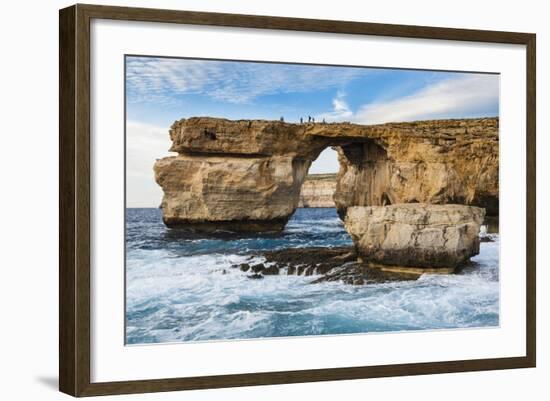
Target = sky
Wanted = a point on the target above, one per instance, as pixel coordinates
(162, 90)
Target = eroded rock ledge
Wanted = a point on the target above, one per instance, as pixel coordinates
(325, 264)
(246, 175)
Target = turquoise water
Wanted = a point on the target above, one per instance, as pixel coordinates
(182, 288)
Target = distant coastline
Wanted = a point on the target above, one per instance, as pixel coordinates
(317, 191)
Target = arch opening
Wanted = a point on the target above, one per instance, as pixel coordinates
(318, 188)
(351, 173)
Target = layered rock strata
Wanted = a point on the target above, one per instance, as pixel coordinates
(318, 191)
(215, 193)
(246, 175)
(415, 235)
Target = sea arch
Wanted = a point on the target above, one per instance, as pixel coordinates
(246, 175)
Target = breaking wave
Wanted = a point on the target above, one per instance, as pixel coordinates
(182, 288)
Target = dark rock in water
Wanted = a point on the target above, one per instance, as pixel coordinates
(359, 274)
(310, 270)
(311, 256)
(309, 261)
(486, 238)
(345, 257)
(255, 276)
(271, 270)
(324, 268)
(244, 267)
(333, 264)
(258, 268)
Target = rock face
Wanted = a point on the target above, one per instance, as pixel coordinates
(318, 191)
(415, 235)
(229, 193)
(246, 175)
(437, 162)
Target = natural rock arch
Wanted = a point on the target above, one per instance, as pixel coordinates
(246, 175)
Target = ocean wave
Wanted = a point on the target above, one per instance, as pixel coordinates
(188, 291)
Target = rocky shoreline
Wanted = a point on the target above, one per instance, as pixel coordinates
(331, 264)
(411, 195)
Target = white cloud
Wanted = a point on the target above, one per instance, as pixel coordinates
(466, 96)
(144, 144)
(164, 79)
(340, 109)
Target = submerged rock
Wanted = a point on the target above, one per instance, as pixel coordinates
(309, 261)
(415, 235)
(244, 267)
(331, 264)
(328, 264)
(258, 268)
(356, 273)
(271, 270)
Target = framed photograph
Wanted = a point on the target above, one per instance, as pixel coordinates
(249, 200)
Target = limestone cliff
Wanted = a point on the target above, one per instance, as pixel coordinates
(318, 191)
(230, 193)
(437, 162)
(247, 175)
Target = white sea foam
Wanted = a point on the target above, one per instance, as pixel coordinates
(172, 296)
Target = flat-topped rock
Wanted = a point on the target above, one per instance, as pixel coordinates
(415, 235)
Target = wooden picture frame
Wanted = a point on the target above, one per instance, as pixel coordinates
(74, 199)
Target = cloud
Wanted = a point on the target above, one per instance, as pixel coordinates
(340, 109)
(144, 144)
(471, 95)
(165, 80)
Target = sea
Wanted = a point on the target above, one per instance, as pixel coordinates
(181, 287)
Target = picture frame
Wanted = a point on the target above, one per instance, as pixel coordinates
(75, 200)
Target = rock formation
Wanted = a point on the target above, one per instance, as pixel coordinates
(415, 235)
(246, 175)
(327, 264)
(318, 191)
(217, 193)
(437, 162)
